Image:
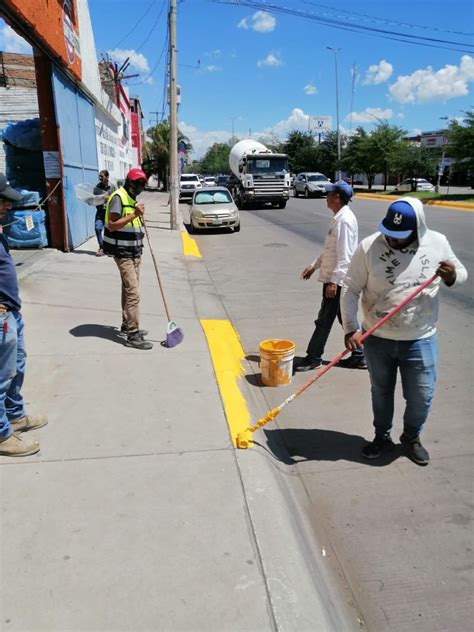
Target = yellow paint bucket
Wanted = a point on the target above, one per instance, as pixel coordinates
(276, 361)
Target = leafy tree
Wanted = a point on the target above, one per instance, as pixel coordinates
(298, 146)
(412, 161)
(461, 143)
(327, 153)
(157, 152)
(361, 155)
(386, 139)
(216, 159)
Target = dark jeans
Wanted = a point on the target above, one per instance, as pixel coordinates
(329, 310)
(415, 360)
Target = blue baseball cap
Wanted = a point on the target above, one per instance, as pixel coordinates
(400, 220)
(342, 186)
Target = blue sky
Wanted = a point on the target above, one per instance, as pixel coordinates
(269, 71)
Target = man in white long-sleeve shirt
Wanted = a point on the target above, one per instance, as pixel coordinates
(339, 246)
(386, 267)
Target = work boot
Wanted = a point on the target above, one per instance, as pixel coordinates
(414, 450)
(28, 422)
(124, 332)
(15, 445)
(136, 341)
(353, 362)
(307, 364)
(377, 447)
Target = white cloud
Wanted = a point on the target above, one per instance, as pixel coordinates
(213, 68)
(201, 141)
(310, 88)
(261, 21)
(214, 54)
(416, 131)
(272, 59)
(137, 60)
(11, 42)
(378, 73)
(370, 115)
(400, 115)
(428, 85)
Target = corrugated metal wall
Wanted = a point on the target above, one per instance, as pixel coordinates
(75, 118)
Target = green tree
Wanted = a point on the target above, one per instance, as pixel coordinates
(157, 152)
(327, 153)
(300, 147)
(461, 143)
(360, 155)
(216, 159)
(412, 161)
(386, 139)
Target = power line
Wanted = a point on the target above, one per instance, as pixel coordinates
(152, 71)
(356, 28)
(136, 23)
(152, 28)
(387, 20)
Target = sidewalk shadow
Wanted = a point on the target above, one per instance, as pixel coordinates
(323, 445)
(84, 252)
(91, 330)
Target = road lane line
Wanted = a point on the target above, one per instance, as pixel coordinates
(227, 355)
(190, 247)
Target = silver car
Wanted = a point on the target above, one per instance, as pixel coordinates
(415, 184)
(310, 184)
(213, 208)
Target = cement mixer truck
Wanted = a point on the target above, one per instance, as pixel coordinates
(259, 176)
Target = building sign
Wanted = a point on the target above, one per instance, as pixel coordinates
(322, 123)
(433, 139)
(71, 39)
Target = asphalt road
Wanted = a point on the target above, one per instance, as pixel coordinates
(398, 537)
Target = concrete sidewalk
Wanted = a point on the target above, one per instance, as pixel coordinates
(138, 514)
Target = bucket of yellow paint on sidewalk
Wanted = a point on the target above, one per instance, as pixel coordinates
(276, 361)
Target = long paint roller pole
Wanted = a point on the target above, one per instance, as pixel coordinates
(244, 438)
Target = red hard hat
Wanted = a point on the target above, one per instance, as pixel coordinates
(136, 174)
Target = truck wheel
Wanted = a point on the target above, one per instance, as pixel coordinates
(282, 204)
(295, 192)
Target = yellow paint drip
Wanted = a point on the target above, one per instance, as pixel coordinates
(190, 247)
(227, 355)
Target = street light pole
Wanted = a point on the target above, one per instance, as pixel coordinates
(173, 146)
(233, 118)
(338, 172)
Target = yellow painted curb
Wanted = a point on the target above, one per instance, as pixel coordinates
(190, 247)
(461, 206)
(227, 355)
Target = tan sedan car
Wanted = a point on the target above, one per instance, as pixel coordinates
(213, 208)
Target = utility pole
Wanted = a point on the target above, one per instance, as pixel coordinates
(173, 147)
(338, 172)
(354, 75)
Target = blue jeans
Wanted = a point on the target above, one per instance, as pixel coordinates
(12, 370)
(416, 361)
(99, 227)
(328, 312)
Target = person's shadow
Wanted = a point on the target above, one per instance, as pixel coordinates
(295, 445)
(92, 330)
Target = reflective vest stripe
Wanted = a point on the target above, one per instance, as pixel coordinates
(128, 241)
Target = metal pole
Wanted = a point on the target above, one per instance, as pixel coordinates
(335, 51)
(173, 147)
(440, 169)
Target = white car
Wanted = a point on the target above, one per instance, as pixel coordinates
(409, 185)
(213, 208)
(209, 181)
(189, 182)
(310, 183)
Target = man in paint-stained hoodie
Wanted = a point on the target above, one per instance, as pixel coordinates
(386, 267)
